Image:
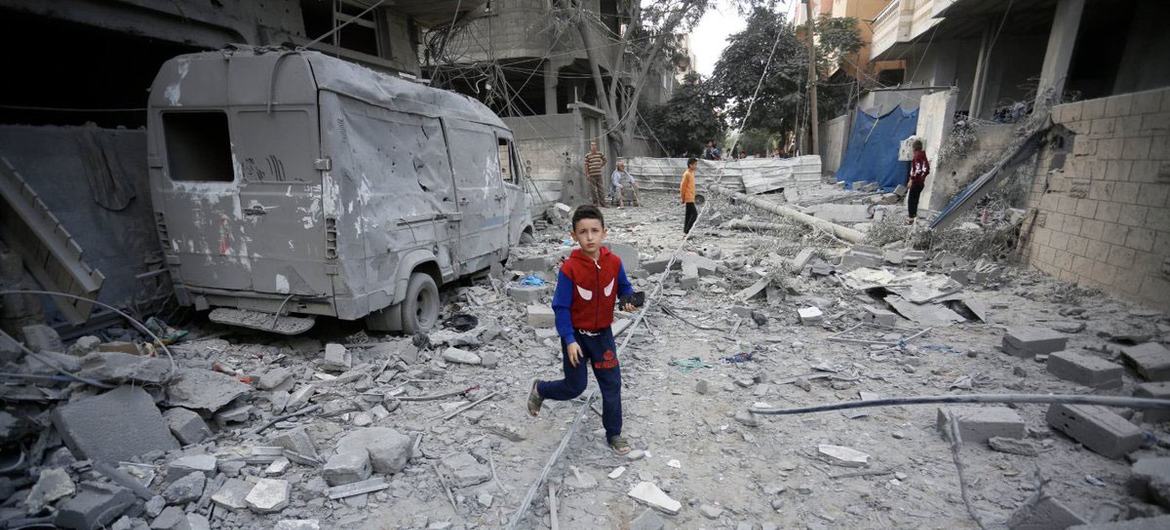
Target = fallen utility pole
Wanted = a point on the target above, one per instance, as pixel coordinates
(843, 232)
(1105, 401)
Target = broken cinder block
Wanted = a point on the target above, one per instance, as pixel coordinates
(1159, 390)
(878, 316)
(186, 425)
(1085, 369)
(115, 426)
(1097, 428)
(978, 424)
(541, 316)
(1150, 480)
(810, 315)
(1027, 342)
(1151, 360)
(337, 358)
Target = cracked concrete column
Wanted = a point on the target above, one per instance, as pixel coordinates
(1061, 40)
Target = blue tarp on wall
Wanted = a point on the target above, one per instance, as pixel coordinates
(872, 155)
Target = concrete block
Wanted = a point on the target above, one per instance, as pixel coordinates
(541, 316)
(346, 468)
(96, 505)
(878, 316)
(204, 390)
(115, 426)
(810, 315)
(532, 264)
(1151, 360)
(232, 494)
(186, 465)
(1162, 522)
(52, 484)
(527, 294)
(631, 260)
(648, 520)
(187, 426)
(658, 264)
(296, 440)
(1046, 514)
(389, 449)
(186, 489)
(1098, 428)
(1085, 369)
(465, 470)
(269, 495)
(42, 338)
(1025, 341)
(337, 358)
(1157, 391)
(299, 398)
(1149, 480)
(798, 262)
(274, 378)
(119, 367)
(171, 518)
(690, 276)
(978, 424)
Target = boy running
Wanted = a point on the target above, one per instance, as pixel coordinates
(588, 288)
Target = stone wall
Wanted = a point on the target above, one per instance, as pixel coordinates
(553, 144)
(1104, 201)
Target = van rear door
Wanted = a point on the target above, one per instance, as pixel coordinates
(483, 231)
(241, 196)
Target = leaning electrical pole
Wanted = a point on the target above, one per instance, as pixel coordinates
(813, 123)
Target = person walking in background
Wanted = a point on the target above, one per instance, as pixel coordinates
(687, 191)
(594, 163)
(712, 151)
(916, 180)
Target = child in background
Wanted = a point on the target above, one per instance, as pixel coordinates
(589, 286)
(687, 190)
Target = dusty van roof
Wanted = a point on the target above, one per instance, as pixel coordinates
(191, 79)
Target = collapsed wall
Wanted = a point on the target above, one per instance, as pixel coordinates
(1103, 198)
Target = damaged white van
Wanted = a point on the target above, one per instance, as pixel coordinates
(289, 184)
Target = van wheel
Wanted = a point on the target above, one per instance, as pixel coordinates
(420, 309)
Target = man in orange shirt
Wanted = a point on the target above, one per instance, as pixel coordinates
(687, 190)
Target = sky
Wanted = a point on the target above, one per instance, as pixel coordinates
(710, 36)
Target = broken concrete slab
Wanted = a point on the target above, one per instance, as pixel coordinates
(346, 468)
(185, 465)
(204, 390)
(300, 397)
(631, 260)
(53, 483)
(41, 338)
(297, 524)
(274, 378)
(187, 426)
(690, 276)
(541, 316)
(1015, 446)
(118, 368)
(269, 495)
(649, 494)
(95, 505)
(186, 489)
(1028, 341)
(459, 356)
(840, 213)
(1084, 369)
(232, 494)
(978, 424)
(114, 426)
(297, 440)
(842, 456)
(798, 262)
(754, 290)
(878, 316)
(171, 518)
(336, 359)
(1159, 390)
(389, 451)
(1046, 514)
(1151, 360)
(648, 520)
(1150, 480)
(465, 470)
(1098, 428)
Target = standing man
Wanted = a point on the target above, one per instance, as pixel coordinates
(594, 163)
(687, 190)
(916, 180)
(712, 151)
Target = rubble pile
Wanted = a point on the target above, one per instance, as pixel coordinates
(341, 428)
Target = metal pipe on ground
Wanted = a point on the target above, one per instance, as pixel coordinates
(1105, 401)
(843, 232)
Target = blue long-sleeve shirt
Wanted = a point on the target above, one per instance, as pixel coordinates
(563, 301)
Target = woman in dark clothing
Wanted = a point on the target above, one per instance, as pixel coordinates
(916, 180)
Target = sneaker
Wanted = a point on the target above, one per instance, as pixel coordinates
(534, 400)
(619, 445)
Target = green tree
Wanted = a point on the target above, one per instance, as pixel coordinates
(783, 92)
(685, 122)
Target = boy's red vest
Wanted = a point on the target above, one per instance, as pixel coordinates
(595, 289)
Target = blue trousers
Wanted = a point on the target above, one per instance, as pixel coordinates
(598, 351)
